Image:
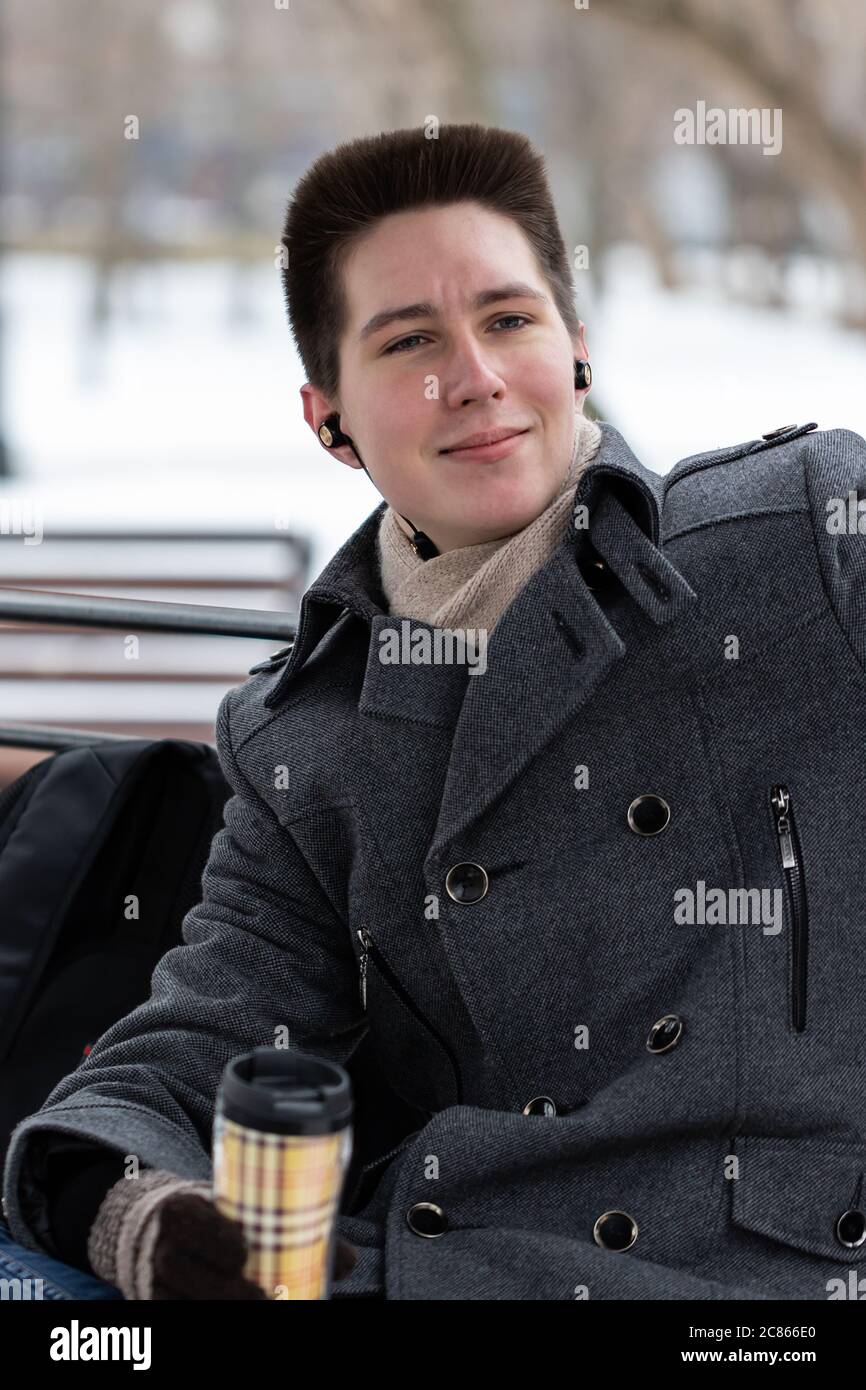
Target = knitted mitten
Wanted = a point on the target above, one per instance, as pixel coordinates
(160, 1236)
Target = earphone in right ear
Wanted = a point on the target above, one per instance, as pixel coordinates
(333, 437)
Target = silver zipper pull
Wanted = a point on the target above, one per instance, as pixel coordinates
(781, 800)
(365, 940)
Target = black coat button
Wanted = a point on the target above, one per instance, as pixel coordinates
(775, 434)
(466, 883)
(596, 575)
(665, 1033)
(273, 661)
(648, 815)
(615, 1230)
(540, 1105)
(851, 1228)
(426, 1219)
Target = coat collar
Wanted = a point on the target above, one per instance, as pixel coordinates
(350, 582)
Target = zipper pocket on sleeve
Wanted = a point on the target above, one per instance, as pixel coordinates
(792, 865)
(369, 950)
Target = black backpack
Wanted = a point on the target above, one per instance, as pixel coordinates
(79, 831)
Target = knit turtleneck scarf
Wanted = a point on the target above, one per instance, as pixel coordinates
(472, 586)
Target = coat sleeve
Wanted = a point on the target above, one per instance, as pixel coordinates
(264, 962)
(836, 483)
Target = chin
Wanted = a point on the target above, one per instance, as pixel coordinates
(506, 523)
(487, 518)
(516, 511)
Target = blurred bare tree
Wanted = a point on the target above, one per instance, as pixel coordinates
(235, 97)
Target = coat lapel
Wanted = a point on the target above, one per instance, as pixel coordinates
(549, 651)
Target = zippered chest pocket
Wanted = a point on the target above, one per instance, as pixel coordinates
(431, 1050)
(793, 868)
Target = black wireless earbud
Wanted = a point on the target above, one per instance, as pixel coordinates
(582, 373)
(332, 437)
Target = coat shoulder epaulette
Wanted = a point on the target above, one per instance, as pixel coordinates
(785, 434)
(698, 490)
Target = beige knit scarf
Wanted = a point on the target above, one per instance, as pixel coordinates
(472, 586)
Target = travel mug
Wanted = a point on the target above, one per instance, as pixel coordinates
(282, 1141)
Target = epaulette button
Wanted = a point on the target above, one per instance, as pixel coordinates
(273, 661)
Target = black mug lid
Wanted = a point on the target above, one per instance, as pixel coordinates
(282, 1091)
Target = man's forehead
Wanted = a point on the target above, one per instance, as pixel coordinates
(418, 271)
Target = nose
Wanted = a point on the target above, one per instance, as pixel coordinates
(470, 373)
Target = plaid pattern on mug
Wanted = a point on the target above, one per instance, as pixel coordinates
(284, 1189)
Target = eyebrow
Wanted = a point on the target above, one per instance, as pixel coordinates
(425, 310)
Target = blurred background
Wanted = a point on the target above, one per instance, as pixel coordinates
(150, 418)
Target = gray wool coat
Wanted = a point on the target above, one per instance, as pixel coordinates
(602, 908)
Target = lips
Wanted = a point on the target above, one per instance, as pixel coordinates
(477, 441)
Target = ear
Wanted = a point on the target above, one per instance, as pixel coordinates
(579, 344)
(316, 409)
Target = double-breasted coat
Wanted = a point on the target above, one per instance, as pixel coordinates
(528, 885)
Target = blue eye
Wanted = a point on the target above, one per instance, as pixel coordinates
(399, 345)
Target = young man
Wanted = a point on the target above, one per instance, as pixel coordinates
(594, 902)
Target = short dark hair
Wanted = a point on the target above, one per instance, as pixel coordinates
(348, 189)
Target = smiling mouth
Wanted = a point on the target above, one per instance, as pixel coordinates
(491, 444)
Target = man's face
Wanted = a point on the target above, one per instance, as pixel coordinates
(414, 386)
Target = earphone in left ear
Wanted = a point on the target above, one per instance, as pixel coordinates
(333, 437)
(582, 373)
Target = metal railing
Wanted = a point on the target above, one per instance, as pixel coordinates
(82, 610)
